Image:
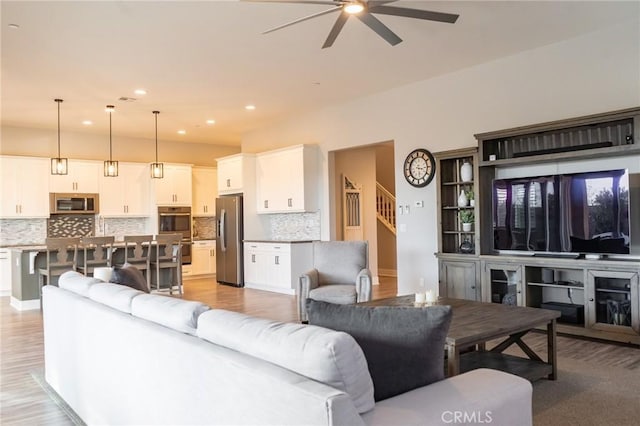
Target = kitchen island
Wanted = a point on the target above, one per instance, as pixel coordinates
(25, 260)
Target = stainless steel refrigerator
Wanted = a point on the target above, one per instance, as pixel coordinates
(229, 265)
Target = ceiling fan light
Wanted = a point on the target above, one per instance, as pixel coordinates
(353, 8)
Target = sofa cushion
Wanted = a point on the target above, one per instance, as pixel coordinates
(114, 295)
(404, 346)
(320, 354)
(339, 293)
(77, 283)
(178, 314)
(130, 276)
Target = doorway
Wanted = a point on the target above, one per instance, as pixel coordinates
(371, 169)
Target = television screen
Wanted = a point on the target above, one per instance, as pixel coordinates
(576, 213)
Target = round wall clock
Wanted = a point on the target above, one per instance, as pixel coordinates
(419, 167)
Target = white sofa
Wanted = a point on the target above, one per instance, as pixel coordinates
(119, 356)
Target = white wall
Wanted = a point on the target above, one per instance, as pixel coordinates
(594, 73)
(91, 146)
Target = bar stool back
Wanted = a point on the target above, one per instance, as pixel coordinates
(168, 255)
(97, 253)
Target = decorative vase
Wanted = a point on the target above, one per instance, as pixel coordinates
(462, 199)
(466, 172)
(466, 246)
(466, 227)
(472, 203)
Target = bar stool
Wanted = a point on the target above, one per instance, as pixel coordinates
(137, 252)
(168, 255)
(97, 253)
(61, 256)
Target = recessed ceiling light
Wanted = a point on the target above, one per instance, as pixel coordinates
(211, 122)
(87, 122)
(250, 107)
(14, 26)
(182, 132)
(140, 92)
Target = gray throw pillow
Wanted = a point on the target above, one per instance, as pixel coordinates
(404, 346)
(130, 276)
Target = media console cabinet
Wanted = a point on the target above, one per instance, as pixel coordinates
(597, 297)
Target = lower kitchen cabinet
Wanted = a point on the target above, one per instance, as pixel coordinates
(203, 257)
(460, 279)
(5, 272)
(275, 266)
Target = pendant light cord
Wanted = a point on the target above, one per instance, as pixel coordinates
(58, 102)
(156, 115)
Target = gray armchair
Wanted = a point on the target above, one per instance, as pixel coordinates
(340, 274)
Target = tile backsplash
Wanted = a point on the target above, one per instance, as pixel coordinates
(295, 226)
(22, 231)
(121, 226)
(204, 228)
(71, 225)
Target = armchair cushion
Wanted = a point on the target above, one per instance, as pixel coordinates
(341, 293)
(338, 262)
(404, 346)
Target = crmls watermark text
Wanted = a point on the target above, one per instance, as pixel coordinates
(466, 417)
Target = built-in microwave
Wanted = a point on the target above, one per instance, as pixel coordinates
(73, 203)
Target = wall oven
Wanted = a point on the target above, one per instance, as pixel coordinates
(177, 220)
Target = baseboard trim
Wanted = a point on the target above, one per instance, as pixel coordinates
(25, 305)
(4, 293)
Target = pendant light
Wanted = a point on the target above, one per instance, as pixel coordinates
(58, 164)
(157, 169)
(110, 166)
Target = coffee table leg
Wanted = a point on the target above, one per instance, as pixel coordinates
(453, 360)
(551, 349)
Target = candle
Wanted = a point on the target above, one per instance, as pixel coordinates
(430, 296)
(420, 297)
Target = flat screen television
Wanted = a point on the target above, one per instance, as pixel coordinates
(580, 213)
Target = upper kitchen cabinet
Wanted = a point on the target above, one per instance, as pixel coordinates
(287, 180)
(205, 191)
(126, 194)
(25, 187)
(83, 177)
(174, 189)
(235, 172)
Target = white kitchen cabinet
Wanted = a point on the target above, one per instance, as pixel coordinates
(126, 195)
(83, 177)
(276, 266)
(235, 172)
(174, 189)
(205, 191)
(25, 187)
(5, 272)
(287, 180)
(203, 257)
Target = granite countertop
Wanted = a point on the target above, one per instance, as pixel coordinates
(279, 241)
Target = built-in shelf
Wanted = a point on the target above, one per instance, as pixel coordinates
(575, 287)
(611, 290)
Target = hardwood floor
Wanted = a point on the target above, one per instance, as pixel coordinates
(24, 402)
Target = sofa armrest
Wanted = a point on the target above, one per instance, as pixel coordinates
(478, 396)
(363, 285)
(307, 282)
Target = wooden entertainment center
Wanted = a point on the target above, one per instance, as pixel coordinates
(598, 296)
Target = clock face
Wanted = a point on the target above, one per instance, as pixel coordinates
(419, 167)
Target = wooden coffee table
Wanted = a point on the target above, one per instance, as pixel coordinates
(475, 323)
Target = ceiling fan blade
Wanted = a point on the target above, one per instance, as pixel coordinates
(325, 2)
(381, 29)
(414, 13)
(303, 19)
(335, 30)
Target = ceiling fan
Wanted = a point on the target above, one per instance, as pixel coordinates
(363, 10)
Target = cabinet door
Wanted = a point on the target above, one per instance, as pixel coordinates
(205, 191)
(136, 189)
(230, 175)
(502, 283)
(25, 187)
(199, 259)
(613, 301)
(112, 196)
(175, 187)
(459, 280)
(294, 191)
(83, 177)
(271, 183)
(5, 272)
